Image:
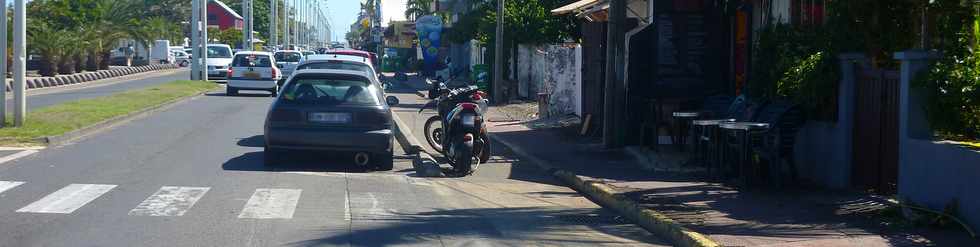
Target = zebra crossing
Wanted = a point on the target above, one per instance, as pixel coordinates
(172, 201)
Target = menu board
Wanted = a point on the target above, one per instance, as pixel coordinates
(681, 46)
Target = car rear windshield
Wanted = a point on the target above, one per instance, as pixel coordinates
(331, 90)
(335, 64)
(252, 60)
(219, 52)
(289, 57)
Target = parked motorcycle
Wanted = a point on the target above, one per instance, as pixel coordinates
(458, 131)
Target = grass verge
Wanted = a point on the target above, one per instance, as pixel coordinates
(69, 116)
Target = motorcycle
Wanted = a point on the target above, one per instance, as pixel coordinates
(458, 131)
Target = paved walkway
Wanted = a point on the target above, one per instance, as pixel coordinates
(731, 217)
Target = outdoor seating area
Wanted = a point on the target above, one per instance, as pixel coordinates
(739, 140)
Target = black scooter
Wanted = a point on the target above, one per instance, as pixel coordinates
(458, 131)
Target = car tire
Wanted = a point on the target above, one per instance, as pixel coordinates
(386, 161)
(271, 157)
(231, 91)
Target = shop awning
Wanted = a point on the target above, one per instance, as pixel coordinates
(575, 7)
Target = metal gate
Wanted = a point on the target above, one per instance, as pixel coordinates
(875, 144)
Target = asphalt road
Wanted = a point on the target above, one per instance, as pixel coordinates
(50, 96)
(193, 176)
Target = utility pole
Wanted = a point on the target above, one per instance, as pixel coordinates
(611, 107)
(3, 64)
(247, 35)
(285, 24)
(196, 40)
(203, 49)
(498, 57)
(20, 61)
(273, 24)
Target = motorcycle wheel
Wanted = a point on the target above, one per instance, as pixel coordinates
(484, 148)
(434, 133)
(463, 162)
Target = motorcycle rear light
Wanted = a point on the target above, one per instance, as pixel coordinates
(469, 106)
(468, 137)
(476, 96)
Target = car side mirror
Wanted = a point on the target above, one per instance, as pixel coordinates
(391, 100)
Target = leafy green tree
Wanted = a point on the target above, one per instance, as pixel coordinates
(417, 8)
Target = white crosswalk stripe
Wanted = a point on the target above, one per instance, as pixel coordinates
(68, 199)
(169, 201)
(271, 204)
(6, 185)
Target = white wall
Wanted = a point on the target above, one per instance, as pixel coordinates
(552, 69)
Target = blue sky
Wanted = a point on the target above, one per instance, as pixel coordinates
(343, 13)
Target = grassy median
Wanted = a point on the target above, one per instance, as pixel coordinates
(65, 117)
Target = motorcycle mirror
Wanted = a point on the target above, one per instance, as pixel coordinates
(391, 100)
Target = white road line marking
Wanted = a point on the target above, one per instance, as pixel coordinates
(271, 204)
(68, 199)
(6, 185)
(17, 155)
(169, 201)
(367, 205)
(347, 207)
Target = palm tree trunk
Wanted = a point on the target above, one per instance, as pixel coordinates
(106, 58)
(66, 66)
(78, 62)
(92, 61)
(48, 67)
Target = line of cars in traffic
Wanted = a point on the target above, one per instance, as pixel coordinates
(323, 102)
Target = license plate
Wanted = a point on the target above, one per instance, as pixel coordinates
(469, 120)
(252, 75)
(330, 117)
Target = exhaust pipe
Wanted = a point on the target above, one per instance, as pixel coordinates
(362, 159)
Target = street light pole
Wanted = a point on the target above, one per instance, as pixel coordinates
(3, 64)
(498, 56)
(203, 48)
(273, 24)
(285, 22)
(247, 35)
(20, 61)
(195, 40)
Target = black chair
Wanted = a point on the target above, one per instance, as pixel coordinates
(776, 146)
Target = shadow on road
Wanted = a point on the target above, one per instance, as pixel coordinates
(255, 141)
(252, 95)
(294, 161)
(527, 226)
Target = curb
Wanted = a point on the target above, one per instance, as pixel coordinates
(86, 76)
(406, 139)
(113, 122)
(651, 220)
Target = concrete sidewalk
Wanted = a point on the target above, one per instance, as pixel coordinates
(727, 216)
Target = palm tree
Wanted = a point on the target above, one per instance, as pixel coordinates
(69, 52)
(47, 42)
(417, 8)
(104, 31)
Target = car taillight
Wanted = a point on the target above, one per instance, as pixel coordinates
(373, 118)
(275, 72)
(229, 71)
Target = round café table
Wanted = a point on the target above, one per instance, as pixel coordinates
(743, 131)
